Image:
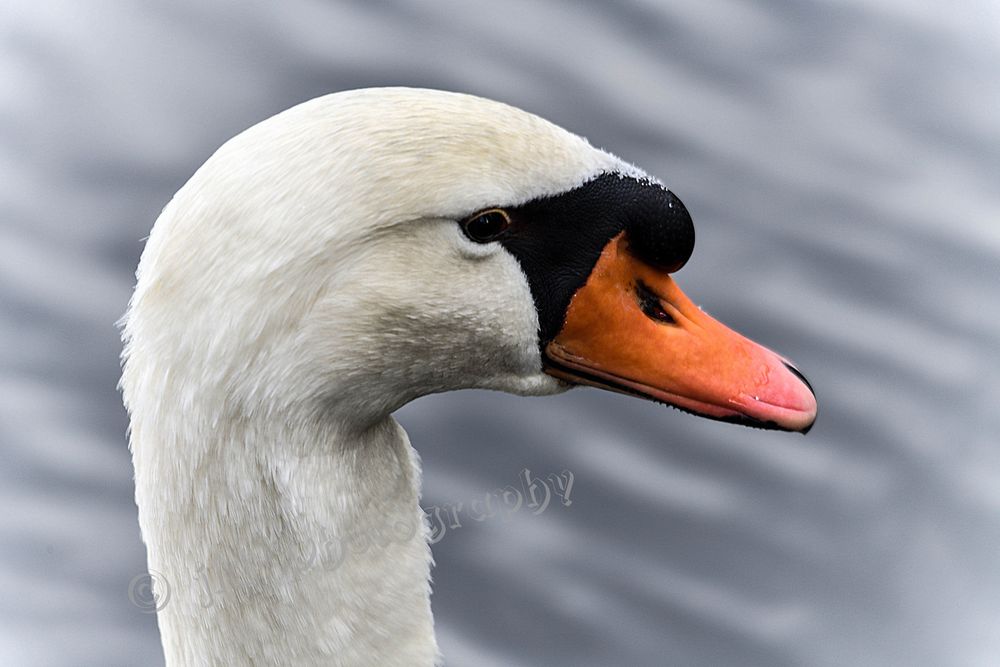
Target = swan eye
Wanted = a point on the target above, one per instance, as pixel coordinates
(486, 226)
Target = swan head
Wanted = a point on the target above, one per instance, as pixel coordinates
(369, 247)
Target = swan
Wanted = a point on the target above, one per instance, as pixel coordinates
(338, 260)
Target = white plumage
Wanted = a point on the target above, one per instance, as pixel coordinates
(308, 280)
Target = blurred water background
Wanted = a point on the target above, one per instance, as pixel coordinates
(841, 162)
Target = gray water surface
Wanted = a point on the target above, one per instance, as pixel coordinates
(841, 163)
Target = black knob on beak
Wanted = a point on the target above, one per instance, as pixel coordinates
(660, 232)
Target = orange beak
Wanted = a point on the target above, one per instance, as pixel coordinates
(631, 329)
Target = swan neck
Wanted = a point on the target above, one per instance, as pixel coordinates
(287, 545)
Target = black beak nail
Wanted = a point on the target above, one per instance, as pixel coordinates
(797, 373)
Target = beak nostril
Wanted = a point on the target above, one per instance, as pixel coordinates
(651, 305)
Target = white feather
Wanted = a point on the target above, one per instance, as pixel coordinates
(307, 281)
